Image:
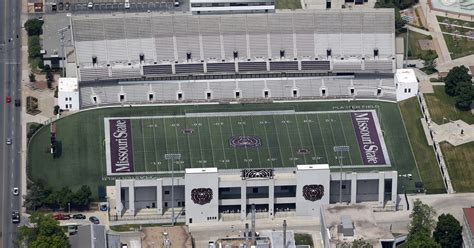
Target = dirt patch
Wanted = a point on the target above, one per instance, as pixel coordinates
(155, 236)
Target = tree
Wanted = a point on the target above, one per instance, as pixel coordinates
(82, 197)
(32, 77)
(422, 219)
(60, 199)
(36, 195)
(45, 232)
(448, 232)
(457, 75)
(429, 62)
(49, 79)
(34, 47)
(421, 240)
(34, 27)
(358, 243)
(465, 96)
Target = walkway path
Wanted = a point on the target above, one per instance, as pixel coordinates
(438, 39)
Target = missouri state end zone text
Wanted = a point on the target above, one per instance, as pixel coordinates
(121, 147)
(367, 138)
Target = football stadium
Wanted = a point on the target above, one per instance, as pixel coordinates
(283, 111)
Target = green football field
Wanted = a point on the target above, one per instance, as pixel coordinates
(81, 140)
(286, 140)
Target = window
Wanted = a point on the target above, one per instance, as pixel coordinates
(255, 190)
(282, 53)
(180, 96)
(65, 99)
(167, 192)
(409, 90)
(166, 204)
(65, 106)
(379, 91)
(208, 95)
(142, 57)
(70, 98)
(94, 99)
(328, 52)
(237, 94)
(70, 106)
(323, 92)
(122, 97)
(151, 97)
(405, 90)
(352, 91)
(295, 93)
(376, 52)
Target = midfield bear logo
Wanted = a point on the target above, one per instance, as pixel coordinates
(313, 192)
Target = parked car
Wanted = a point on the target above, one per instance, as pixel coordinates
(79, 217)
(15, 217)
(90, 5)
(94, 220)
(16, 191)
(8, 99)
(61, 217)
(9, 141)
(67, 6)
(17, 103)
(60, 6)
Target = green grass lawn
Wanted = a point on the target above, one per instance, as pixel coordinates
(424, 154)
(457, 47)
(303, 239)
(288, 4)
(460, 166)
(458, 158)
(441, 105)
(414, 49)
(81, 140)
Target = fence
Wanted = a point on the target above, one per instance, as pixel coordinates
(436, 147)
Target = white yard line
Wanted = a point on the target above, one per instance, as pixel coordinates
(143, 141)
(189, 144)
(200, 145)
(278, 140)
(210, 140)
(243, 133)
(311, 136)
(301, 140)
(222, 141)
(154, 144)
(258, 153)
(289, 141)
(345, 139)
(177, 142)
(268, 147)
(322, 137)
(166, 142)
(235, 152)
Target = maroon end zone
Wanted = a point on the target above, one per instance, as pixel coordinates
(121, 147)
(368, 138)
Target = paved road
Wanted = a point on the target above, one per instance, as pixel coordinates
(10, 116)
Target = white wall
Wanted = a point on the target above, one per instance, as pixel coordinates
(206, 213)
(306, 177)
(68, 100)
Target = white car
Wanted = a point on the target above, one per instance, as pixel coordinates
(9, 141)
(90, 5)
(15, 191)
(127, 4)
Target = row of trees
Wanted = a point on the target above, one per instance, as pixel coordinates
(44, 232)
(425, 232)
(39, 195)
(458, 84)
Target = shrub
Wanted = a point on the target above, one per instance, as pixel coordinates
(34, 27)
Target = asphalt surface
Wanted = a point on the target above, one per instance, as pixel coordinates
(10, 70)
(107, 6)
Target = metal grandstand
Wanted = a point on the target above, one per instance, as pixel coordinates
(152, 57)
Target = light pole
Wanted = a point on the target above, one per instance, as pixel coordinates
(172, 157)
(61, 41)
(69, 207)
(340, 149)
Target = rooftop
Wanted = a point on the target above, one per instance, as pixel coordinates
(50, 38)
(469, 215)
(68, 85)
(406, 76)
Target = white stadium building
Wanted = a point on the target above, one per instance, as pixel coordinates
(154, 58)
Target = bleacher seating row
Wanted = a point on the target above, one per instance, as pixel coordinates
(166, 38)
(225, 90)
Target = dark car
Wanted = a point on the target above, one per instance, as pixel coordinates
(15, 217)
(79, 217)
(94, 220)
(60, 6)
(66, 6)
(17, 102)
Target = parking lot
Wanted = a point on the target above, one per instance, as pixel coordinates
(91, 6)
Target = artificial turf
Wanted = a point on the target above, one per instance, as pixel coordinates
(82, 142)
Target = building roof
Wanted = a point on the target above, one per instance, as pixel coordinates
(50, 38)
(313, 167)
(406, 76)
(68, 85)
(119, 39)
(469, 215)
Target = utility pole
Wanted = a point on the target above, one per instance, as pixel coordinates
(284, 233)
(340, 150)
(172, 157)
